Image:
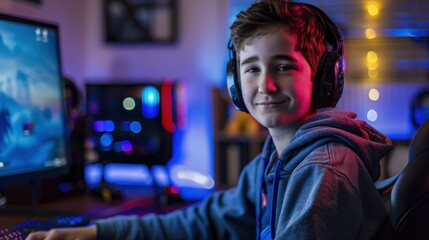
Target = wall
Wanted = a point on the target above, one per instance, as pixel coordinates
(71, 20)
(197, 59)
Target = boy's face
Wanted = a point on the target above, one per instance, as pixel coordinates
(275, 79)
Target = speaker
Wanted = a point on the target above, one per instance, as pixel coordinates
(328, 83)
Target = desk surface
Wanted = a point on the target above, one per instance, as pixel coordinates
(69, 204)
(84, 203)
(77, 203)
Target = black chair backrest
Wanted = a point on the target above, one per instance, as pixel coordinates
(409, 206)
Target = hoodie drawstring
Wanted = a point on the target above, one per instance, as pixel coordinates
(260, 200)
(279, 166)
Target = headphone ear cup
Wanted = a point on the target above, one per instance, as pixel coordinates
(234, 87)
(328, 83)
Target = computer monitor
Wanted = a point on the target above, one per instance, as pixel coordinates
(33, 126)
(130, 123)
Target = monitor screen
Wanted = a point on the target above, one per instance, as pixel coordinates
(33, 130)
(130, 123)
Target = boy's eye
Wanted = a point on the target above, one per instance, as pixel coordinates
(285, 67)
(251, 70)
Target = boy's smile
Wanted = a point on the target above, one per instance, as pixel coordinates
(275, 79)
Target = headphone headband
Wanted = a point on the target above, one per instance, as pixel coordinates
(332, 33)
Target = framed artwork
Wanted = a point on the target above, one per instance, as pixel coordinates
(37, 2)
(140, 21)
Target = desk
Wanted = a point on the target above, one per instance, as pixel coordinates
(69, 204)
(85, 203)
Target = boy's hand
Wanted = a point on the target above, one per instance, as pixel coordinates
(80, 233)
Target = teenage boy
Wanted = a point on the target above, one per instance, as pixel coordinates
(314, 178)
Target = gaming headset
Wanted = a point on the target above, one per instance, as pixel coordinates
(328, 82)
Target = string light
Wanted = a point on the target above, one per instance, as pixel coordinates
(372, 73)
(373, 94)
(370, 33)
(372, 9)
(372, 57)
(372, 115)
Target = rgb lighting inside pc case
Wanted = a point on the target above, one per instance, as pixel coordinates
(130, 123)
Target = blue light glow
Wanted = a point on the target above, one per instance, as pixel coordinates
(127, 146)
(104, 126)
(415, 63)
(150, 102)
(160, 176)
(188, 177)
(123, 147)
(135, 127)
(125, 126)
(93, 174)
(106, 140)
(109, 126)
(404, 32)
(421, 114)
(98, 126)
(132, 174)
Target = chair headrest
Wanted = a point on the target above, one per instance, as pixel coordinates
(411, 189)
(419, 143)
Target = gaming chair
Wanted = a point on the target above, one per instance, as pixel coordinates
(409, 202)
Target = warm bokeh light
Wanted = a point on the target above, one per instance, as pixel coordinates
(372, 57)
(373, 94)
(372, 73)
(372, 65)
(373, 9)
(370, 33)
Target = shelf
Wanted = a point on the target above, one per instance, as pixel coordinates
(234, 148)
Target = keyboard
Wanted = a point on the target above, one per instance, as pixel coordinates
(21, 230)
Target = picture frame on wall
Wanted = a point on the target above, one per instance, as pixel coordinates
(140, 21)
(36, 2)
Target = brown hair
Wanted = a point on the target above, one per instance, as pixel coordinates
(298, 18)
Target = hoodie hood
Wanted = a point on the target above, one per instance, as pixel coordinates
(326, 127)
(336, 126)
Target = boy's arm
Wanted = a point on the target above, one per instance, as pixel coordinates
(225, 215)
(83, 233)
